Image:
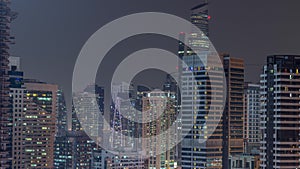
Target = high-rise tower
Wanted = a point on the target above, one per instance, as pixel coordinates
(6, 16)
(159, 114)
(280, 119)
(252, 110)
(197, 99)
(39, 124)
(62, 122)
(200, 18)
(17, 91)
(233, 123)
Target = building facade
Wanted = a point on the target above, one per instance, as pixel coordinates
(280, 120)
(17, 90)
(159, 114)
(74, 151)
(6, 119)
(252, 109)
(233, 121)
(39, 124)
(196, 97)
(62, 117)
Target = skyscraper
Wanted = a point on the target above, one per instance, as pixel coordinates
(201, 109)
(159, 114)
(62, 122)
(171, 86)
(62, 145)
(252, 110)
(233, 123)
(200, 18)
(280, 120)
(91, 91)
(74, 150)
(87, 111)
(63, 152)
(17, 91)
(77, 149)
(123, 118)
(6, 16)
(39, 124)
(196, 97)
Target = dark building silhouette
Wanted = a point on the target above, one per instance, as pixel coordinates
(62, 122)
(280, 98)
(6, 16)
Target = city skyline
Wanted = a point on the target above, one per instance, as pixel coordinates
(251, 35)
(116, 99)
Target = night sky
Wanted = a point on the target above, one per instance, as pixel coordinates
(50, 33)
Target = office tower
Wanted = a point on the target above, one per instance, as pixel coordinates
(159, 114)
(82, 149)
(280, 120)
(62, 122)
(88, 113)
(93, 88)
(74, 151)
(203, 112)
(91, 91)
(17, 95)
(252, 108)
(200, 111)
(233, 123)
(124, 118)
(171, 86)
(63, 151)
(200, 18)
(6, 16)
(39, 124)
(140, 92)
(62, 145)
(74, 120)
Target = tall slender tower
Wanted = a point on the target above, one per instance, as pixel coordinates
(6, 16)
(252, 110)
(62, 122)
(233, 124)
(280, 119)
(196, 98)
(159, 114)
(17, 91)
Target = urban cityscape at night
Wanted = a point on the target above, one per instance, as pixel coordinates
(181, 84)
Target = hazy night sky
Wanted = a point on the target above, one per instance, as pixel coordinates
(50, 33)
